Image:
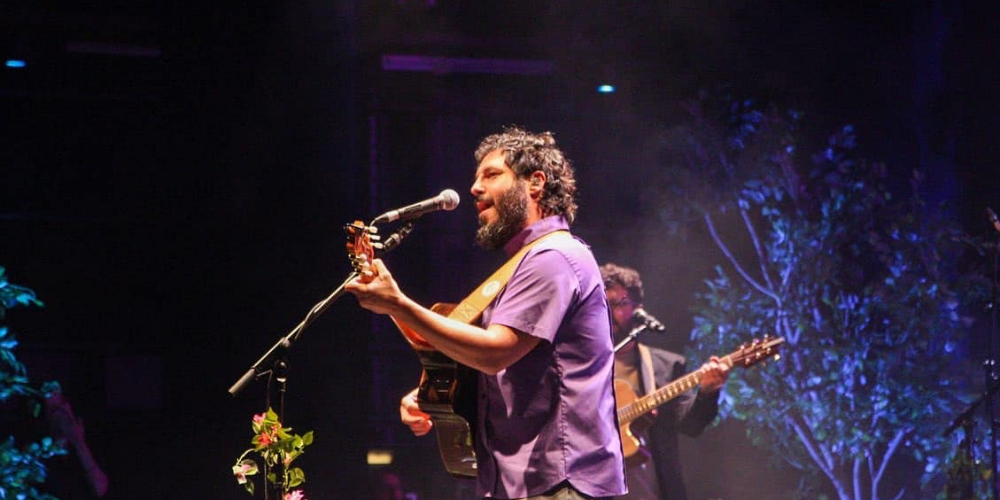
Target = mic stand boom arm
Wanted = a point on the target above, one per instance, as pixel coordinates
(630, 337)
(286, 341)
(279, 370)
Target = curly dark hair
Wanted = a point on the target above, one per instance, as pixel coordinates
(525, 152)
(625, 277)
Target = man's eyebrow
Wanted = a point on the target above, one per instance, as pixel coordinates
(488, 168)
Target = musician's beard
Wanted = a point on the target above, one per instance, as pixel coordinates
(512, 212)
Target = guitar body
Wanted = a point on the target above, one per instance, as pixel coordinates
(632, 449)
(447, 392)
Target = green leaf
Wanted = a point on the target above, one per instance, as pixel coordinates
(295, 477)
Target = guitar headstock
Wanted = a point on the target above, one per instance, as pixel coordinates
(361, 243)
(759, 350)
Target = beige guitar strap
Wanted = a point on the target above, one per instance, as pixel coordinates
(471, 307)
(646, 370)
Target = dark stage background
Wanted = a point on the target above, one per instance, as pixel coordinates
(175, 176)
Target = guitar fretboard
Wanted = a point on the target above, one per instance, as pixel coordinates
(647, 403)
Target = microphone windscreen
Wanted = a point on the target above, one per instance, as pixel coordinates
(449, 199)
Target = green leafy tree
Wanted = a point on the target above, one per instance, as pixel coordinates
(869, 290)
(22, 467)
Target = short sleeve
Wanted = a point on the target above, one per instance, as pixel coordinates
(538, 295)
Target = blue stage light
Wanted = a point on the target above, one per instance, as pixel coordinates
(15, 63)
(605, 89)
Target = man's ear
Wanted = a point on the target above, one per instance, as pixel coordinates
(536, 183)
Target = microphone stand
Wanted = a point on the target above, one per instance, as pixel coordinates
(279, 372)
(286, 341)
(280, 367)
(632, 335)
(990, 366)
(968, 414)
(966, 419)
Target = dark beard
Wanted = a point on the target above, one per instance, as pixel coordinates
(512, 209)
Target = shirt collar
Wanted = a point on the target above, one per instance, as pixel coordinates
(533, 232)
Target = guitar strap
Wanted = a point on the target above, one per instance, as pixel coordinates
(646, 369)
(471, 307)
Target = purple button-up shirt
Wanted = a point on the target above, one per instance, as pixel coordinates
(550, 417)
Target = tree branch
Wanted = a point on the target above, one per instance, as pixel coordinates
(830, 460)
(817, 319)
(792, 334)
(889, 452)
(856, 473)
(761, 258)
(871, 473)
(817, 457)
(732, 259)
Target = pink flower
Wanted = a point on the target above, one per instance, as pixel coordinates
(294, 495)
(264, 439)
(244, 469)
(258, 422)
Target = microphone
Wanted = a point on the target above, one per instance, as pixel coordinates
(992, 216)
(648, 320)
(447, 200)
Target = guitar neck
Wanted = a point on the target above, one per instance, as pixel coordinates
(647, 403)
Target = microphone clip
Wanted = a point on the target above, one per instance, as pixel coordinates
(396, 237)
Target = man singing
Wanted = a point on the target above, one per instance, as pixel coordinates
(546, 426)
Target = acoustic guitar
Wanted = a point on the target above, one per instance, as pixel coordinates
(631, 407)
(447, 389)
